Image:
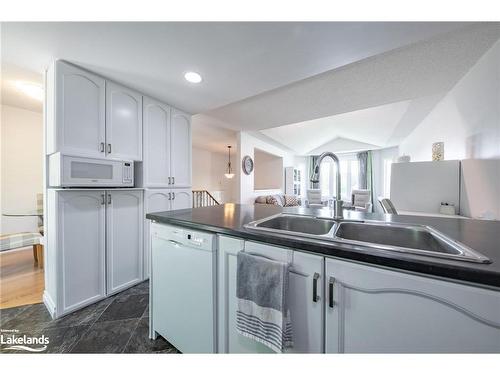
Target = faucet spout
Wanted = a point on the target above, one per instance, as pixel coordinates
(315, 179)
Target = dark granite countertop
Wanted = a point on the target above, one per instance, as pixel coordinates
(482, 236)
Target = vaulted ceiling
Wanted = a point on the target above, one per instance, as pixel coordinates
(236, 60)
(301, 85)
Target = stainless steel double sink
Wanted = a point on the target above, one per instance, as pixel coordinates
(403, 238)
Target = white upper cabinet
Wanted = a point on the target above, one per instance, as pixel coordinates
(180, 152)
(123, 122)
(156, 166)
(373, 310)
(124, 230)
(75, 110)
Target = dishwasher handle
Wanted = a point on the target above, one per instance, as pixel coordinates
(175, 243)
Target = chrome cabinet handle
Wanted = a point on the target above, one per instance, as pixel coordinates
(173, 195)
(103, 199)
(101, 148)
(316, 298)
(109, 148)
(169, 196)
(331, 281)
(109, 198)
(169, 180)
(173, 180)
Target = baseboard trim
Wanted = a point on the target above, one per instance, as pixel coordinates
(49, 304)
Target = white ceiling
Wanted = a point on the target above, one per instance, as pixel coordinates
(409, 73)
(236, 60)
(373, 126)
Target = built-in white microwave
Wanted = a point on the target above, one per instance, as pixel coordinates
(77, 171)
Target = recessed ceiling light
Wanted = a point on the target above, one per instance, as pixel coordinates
(33, 90)
(193, 77)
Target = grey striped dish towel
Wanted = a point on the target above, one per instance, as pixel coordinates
(262, 290)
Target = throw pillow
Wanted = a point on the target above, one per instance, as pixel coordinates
(274, 199)
(261, 199)
(291, 200)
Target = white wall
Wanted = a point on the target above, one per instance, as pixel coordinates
(467, 119)
(266, 171)
(208, 174)
(378, 157)
(22, 162)
(245, 183)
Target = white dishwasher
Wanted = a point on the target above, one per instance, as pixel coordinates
(183, 288)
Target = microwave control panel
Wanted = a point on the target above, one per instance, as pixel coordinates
(128, 172)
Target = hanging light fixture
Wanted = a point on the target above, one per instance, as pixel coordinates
(229, 173)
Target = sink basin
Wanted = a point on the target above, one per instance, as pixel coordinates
(404, 238)
(296, 223)
(417, 239)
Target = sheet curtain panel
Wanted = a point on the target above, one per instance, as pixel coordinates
(310, 170)
(365, 178)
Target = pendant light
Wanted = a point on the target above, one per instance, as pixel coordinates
(229, 173)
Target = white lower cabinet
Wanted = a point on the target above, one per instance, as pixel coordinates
(363, 308)
(307, 315)
(81, 239)
(95, 247)
(373, 310)
(181, 199)
(124, 240)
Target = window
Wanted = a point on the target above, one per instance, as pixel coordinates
(387, 177)
(349, 170)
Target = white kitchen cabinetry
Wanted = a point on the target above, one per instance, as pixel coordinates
(156, 161)
(375, 310)
(89, 116)
(75, 111)
(306, 313)
(181, 199)
(94, 236)
(80, 240)
(180, 167)
(123, 122)
(167, 147)
(124, 240)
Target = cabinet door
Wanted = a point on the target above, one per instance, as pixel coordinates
(124, 239)
(156, 161)
(380, 311)
(180, 166)
(181, 199)
(81, 249)
(155, 200)
(123, 122)
(80, 112)
(307, 316)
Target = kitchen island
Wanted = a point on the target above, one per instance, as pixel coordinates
(347, 298)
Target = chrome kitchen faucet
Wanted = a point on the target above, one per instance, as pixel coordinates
(315, 179)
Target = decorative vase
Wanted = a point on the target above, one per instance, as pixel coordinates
(404, 159)
(438, 151)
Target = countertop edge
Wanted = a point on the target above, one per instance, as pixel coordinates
(477, 278)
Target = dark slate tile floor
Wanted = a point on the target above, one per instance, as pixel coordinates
(118, 324)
